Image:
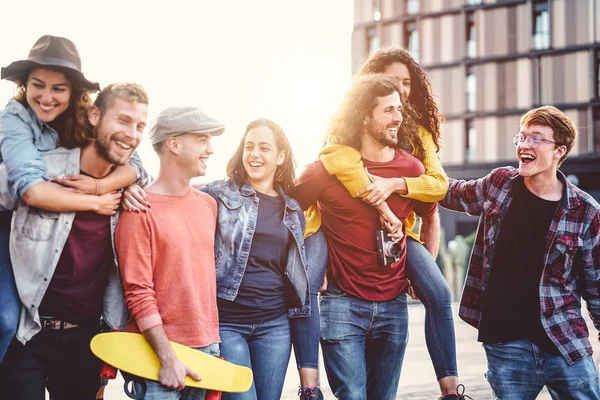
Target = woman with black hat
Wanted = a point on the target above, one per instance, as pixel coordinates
(48, 110)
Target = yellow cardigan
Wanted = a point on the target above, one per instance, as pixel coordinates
(345, 163)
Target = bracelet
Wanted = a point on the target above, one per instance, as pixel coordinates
(96, 180)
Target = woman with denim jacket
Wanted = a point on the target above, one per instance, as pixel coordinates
(262, 282)
(49, 109)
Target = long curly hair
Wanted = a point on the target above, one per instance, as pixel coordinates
(284, 174)
(346, 125)
(72, 125)
(421, 94)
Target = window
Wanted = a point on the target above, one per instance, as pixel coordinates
(471, 90)
(373, 38)
(376, 10)
(596, 116)
(597, 75)
(541, 25)
(472, 2)
(471, 35)
(412, 6)
(470, 141)
(411, 38)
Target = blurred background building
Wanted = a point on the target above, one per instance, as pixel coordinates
(489, 62)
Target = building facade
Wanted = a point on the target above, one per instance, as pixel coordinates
(489, 62)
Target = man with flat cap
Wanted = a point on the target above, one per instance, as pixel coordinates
(166, 254)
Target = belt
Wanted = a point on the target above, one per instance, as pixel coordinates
(57, 324)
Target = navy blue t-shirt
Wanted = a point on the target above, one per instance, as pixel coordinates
(261, 296)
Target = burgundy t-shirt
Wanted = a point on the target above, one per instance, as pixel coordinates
(350, 224)
(76, 291)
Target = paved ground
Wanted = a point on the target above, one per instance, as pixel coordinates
(418, 379)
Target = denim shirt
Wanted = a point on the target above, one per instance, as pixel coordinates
(23, 137)
(37, 239)
(237, 215)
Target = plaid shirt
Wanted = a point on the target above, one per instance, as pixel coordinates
(571, 260)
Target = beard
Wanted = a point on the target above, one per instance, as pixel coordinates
(102, 146)
(381, 135)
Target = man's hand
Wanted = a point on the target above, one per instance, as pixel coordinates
(390, 221)
(324, 285)
(380, 189)
(134, 199)
(173, 372)
(108, 203)
(411, 291)
(79, 183)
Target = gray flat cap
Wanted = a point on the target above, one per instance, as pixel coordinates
(174, 121)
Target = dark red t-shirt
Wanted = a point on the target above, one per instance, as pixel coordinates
(350, 224)
(76, 291)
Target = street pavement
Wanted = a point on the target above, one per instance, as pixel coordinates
(417, 381)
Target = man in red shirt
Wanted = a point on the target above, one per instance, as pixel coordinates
(363, 311)
(167, 253)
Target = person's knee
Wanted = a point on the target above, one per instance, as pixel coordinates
(9, 320)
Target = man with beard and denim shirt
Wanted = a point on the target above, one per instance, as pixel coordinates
(537, 253)
(364, 316)
(64, 263)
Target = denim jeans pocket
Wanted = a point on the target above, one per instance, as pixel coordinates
(333, 292)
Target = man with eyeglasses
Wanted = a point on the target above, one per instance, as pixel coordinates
(537, 253)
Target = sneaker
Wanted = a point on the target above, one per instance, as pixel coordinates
(460, 389)
(310, 393)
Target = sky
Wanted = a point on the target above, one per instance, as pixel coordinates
(237, 60)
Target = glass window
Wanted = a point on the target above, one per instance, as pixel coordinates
(411, 38)
(541, 25)
(597, 75)
(471, 89)
(376, 10)
(596, 116)
(471, 35)
(471, 2)
(470, 141)
(412, 6)
(374, 42)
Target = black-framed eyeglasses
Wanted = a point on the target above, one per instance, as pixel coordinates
(533, 141)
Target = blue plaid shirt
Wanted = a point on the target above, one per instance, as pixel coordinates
(571, 260)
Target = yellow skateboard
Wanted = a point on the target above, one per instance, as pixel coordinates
(130, 352)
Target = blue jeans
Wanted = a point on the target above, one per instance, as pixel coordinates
(363, 344)
(156, 391)
(9, 297)
(434, 292)
(265, 348)
(306, 331)
(519, 370)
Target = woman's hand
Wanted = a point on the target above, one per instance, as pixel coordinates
(411, 291)
(134, 199)
(380, 189)
(79, 183)
(108, 203)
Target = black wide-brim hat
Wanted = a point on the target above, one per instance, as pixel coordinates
(50, 51)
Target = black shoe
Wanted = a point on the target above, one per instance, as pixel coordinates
(310, 393)
(460, 389)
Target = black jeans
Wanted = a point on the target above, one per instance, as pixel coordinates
(59, 360)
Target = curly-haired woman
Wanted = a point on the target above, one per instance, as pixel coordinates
(423, 140)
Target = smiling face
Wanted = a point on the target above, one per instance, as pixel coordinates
(386, 119)
(193, 152)
(400, 71)
(541, 161)
(48, 93)
(119, 130)
(261, 156)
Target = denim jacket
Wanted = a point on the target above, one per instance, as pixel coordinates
(37, 239)
(237, 215)
(23, 137)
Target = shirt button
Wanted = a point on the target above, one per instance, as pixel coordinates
(293, 226)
